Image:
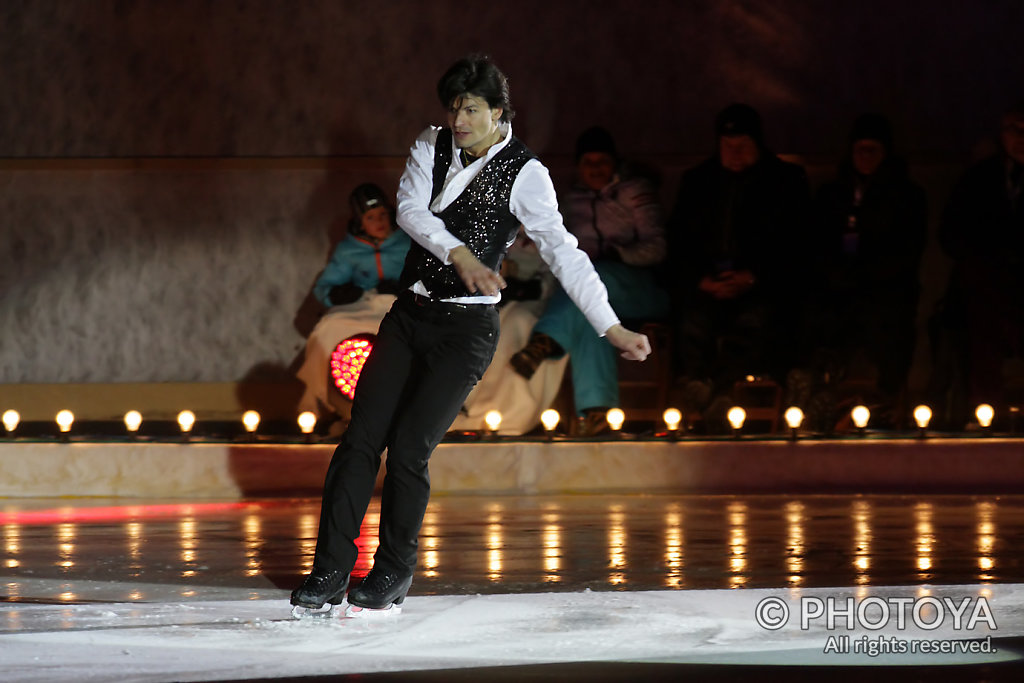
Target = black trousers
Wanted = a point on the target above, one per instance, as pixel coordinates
(427, 357)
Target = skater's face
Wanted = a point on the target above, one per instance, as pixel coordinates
(596, 169)
(376, 223)
(738, 152)
(867, 155)
(1013, 138)
(474, 124)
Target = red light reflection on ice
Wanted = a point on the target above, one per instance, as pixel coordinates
(116, 513)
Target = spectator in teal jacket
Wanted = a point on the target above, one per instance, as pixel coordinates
(371, 255)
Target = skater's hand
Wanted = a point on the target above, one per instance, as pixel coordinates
(634, 346)
(478, 278)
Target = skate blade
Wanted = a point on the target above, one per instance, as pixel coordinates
(356, 612)
(325, 612)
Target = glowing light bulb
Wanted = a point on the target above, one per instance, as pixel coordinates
(132, 420)
(186, 420)
(493, 420)
(985, 413)
(307, 422)
(736, 417)
(251, 420)
(860, 416)
(616, 418)
(672, 418)
(549, 418)
(794, 417)
(11, 419)
(922, 416)
(65, 419)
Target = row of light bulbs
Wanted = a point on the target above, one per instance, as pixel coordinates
(736, 416)
(186, 421)
(922, 416)
(550, 418)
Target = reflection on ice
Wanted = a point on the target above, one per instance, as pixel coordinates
(616, 545)
(552, 543)
(674, 553)
(66, 545)
(862, 540)
(188, 542)
(985, 513)
(133, 532)
(925, 539)
(737, 544)
(639, 542)
(12, 544)
(253, 542)
(795, 541)
(495, 544)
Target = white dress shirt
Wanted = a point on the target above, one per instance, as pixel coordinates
(532, 201)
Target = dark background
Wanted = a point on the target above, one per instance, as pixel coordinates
(172, 172)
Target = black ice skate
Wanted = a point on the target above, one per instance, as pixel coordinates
(381, 592)
(322, 586)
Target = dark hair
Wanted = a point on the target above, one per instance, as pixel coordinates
(476, 75)
(740, 119)
(595, 139)
(364, 198)
(873, 126)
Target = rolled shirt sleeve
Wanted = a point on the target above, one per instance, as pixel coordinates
(534, 203)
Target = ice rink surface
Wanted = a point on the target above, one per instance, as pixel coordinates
(210, 640)
(595, 588)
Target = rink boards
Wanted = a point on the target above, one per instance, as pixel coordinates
(229, 470)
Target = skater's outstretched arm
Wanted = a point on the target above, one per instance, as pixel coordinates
(534, 203)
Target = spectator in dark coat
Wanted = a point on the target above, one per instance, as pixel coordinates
(868, 232)
(733, 238)
(982, 230)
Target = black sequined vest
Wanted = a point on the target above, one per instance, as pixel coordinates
(480, 217)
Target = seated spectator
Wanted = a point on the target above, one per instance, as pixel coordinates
(358, 286)
(982, 231)
(619, 224)
(733, 239)
(371, 255)
(868, 232)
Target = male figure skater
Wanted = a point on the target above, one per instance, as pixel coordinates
(465, 190)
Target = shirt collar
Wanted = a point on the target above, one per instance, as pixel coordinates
(506, 131)
(505, 128)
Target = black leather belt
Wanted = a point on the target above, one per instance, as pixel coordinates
(435, 305)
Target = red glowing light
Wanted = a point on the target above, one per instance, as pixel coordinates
(347, 362)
